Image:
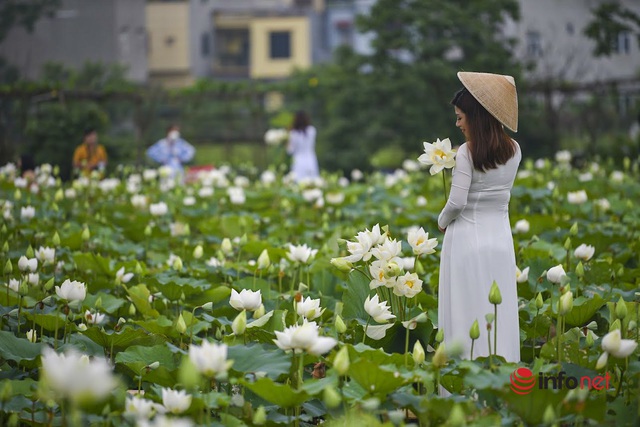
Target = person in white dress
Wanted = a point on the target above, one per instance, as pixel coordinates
(302, 148)
(478, 246)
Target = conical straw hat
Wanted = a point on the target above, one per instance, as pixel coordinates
(496, 93)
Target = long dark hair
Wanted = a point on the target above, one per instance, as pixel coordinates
(301, 121)
(489, 144)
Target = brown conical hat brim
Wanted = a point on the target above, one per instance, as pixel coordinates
(496, 93)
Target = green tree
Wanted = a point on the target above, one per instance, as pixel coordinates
(399, 95)
(24, 13)
(609, 20)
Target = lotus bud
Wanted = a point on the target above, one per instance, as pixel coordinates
(626, 163)
(147, 231)
(621, 309)
(32, 335)
(8, 267)
(474, 332)
(440, 335)
(331, 397)
(5, 247)
(457, 417)
(263, 260)
(392, 269)
(98, 303)
(539, 301)
(82, 327)
(138, 268)
(86, 234)
(181, 325)
(495, 297)
(187, 230)
(24, 288)
(260, 416)
(615, 325)
(29, 253)
(567, 243)
(244, 239)
(4, 229)
(218, 334)
(590, 340)
(208, 306)
(440, 357)
(341, 361)
(574, 229)
(17, 195)
(239, 323)
(49, 285)
(59, 195)
(566, 303)
(55, 240)
(177, 263)
(6, 392)
(153, 366)
(198, 252)
(226, 246)
(259, 312)
(340, 326)
(602, 361)
(132, 310)
(580, 269)
(342, 264)
(549, 415)
(592, 325)
(620, 271)
(418, 353)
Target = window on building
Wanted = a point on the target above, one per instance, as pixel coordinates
(344, 31)
(280, 45)
(231, 51)
(534, 44)
(622, 43)
(205, 44)
(570, 28)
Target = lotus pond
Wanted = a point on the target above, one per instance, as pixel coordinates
(241, 298)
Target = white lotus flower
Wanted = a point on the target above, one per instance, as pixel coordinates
(94, 318)
(33, 279)
(174, 401)
(25, 264)
(563, 156)
(585, 177)
(72, 290)
(335, 198)
(189, 201)
(122, 276)
(617, 176)
(46, 255)
(301, 253)
(360, 249)
(268, 177)
(14, 285)
(522, 276)
(603, 204)
(613, 344)
(263, 260)
(158, 209)
(388, 250)
(408, 285)
(577, 197)
(32, 335)
(139, 407)
(149, 174)
(139, 201)
(236, 195)
(421, 201)
(20, 182)
(522, 226)
(379, 311)
(312, 194)
(420, 242)
(210, 359)
(304, 337)
(77, 377)
(205, 192)
(356, 175)
(245, 300)
(276, 136)
(309, 308)
(438, 154)
(555, 274)
(378, 270)
(27, 212)
(164, 421)
(410, 165)
(584, 252)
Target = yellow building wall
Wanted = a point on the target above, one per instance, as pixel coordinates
(168, 21)
(262, 66)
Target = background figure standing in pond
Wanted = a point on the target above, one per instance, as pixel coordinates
(172, 151)
(302, 148)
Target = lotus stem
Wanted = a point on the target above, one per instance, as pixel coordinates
(472, 344)
(444, 185)
(365, 329)
(406, 348)
(495, 329)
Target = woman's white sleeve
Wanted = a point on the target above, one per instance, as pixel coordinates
(459, 189)
(291, 146)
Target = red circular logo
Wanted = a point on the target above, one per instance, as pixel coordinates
(522, 381)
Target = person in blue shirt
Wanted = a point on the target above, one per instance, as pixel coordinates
(172, 151)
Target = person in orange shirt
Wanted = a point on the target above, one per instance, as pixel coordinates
(90, 155)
